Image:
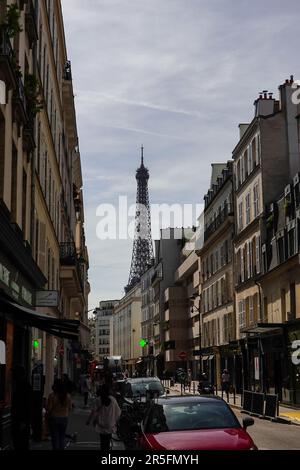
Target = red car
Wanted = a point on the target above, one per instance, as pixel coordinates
(193, 423)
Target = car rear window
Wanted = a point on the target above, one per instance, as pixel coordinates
(191, 416)
(140, 389)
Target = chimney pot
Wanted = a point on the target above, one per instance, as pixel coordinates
(291, 78)
(287, 81)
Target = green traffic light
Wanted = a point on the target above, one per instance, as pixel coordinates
(143, 343)
(36, 344)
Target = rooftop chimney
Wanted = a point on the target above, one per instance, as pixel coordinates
(264, 105)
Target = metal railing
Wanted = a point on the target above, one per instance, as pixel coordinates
(219, 220)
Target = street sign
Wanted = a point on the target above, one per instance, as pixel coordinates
(182, 355)
(46, 298)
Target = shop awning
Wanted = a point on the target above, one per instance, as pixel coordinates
(204, 358)
(211, 357)
(262, 328)
(68, 329)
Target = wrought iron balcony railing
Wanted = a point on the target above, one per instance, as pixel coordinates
(219, 220)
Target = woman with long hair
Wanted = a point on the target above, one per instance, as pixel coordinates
(104, 416)
(58, 409)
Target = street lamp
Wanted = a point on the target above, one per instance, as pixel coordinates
(193, 298)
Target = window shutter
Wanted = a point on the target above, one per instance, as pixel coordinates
(42, 247)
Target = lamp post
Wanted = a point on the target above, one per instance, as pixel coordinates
(193, 298)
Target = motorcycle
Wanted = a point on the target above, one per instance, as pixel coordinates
(206, 388)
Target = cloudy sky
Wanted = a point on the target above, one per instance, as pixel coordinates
(177, 76)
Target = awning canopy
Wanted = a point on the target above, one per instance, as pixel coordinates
(261, 328)
(68, 329)
(204, 358)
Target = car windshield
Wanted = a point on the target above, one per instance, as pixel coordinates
(140, 389)
(190, 416)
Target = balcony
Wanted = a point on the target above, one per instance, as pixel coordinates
(156, 278)
(219, 220)
(20, 101)
(7, 67)
(72, 270)
(31, 24)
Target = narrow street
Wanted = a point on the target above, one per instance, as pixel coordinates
(87, 438)
(267, 435)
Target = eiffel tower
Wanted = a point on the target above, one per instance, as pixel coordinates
(142, 253)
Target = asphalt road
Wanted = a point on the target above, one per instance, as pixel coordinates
(266, 435)
(273, 436)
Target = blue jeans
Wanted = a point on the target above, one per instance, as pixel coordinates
(58, 427)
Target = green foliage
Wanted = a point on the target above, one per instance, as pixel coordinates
(12, 20)
(32, 90)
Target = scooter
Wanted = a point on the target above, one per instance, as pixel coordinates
(206, 388)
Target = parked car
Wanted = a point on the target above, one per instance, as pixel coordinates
(140, 388)
(193, 423)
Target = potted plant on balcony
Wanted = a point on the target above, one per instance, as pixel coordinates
(32, 91)
(12, 20)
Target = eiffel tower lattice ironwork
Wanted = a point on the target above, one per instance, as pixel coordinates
(142, 246)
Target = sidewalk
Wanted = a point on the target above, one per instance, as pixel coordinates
(290, 415)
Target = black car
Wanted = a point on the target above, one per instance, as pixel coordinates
(142, 388)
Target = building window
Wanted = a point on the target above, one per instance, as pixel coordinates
(280, 249)
(246, 163)
(217, 260)
(251, 310)
(256, 201)
(241, 216)
(248, 210)
(242, 313)
(258, 254)
(238, 175)
(291, 242)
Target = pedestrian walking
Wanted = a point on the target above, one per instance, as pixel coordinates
(225, 381)
(104, 416)
(85, 389)
(189, 378)
(59, 407)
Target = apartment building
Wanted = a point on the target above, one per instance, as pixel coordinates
(264, 159)
(167, 259)
(216, 256)
(126, 331)
(279, 283)
(147, 325)
(43, 256)
(103, 321)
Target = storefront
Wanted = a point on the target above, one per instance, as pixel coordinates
(271, 361)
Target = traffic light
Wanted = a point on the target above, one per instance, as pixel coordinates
(36, 344)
